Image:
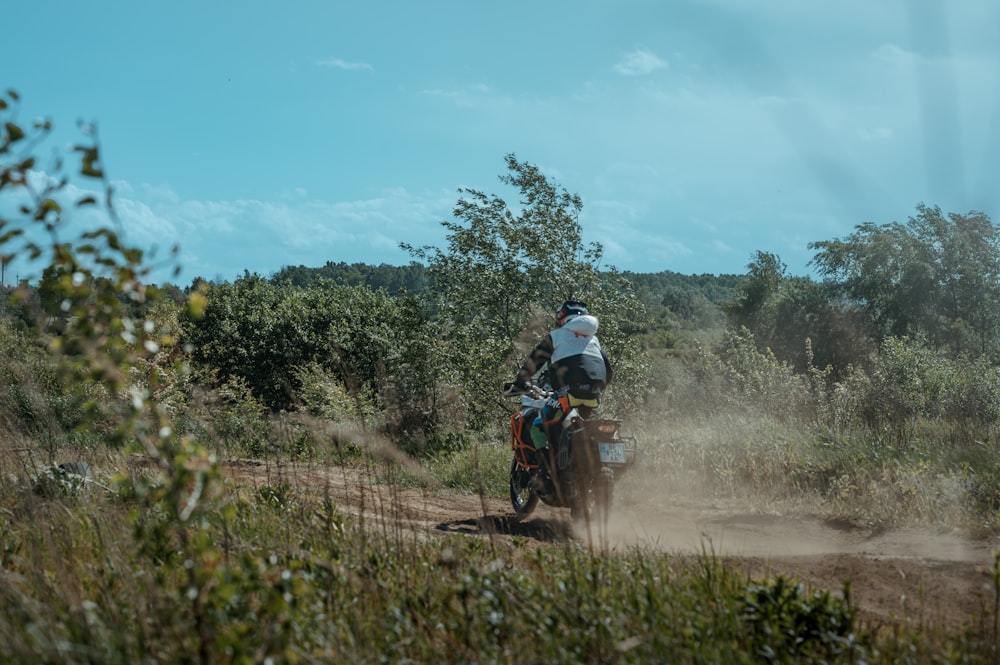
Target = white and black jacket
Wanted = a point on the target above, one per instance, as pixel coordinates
(574, 356)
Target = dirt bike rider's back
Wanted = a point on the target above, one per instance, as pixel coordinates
(576, 368)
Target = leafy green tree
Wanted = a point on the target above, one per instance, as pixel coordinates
(814, 328)
(936, 275)
(715, 289)
(394, 279)
(504, 271)
(800, 321)
(373, 345)
(752, 308)
(255, 331)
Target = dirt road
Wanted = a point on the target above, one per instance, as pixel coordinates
(927, 577)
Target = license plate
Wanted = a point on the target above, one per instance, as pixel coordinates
(613, 453)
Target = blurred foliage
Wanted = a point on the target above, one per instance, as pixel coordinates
(103, 328)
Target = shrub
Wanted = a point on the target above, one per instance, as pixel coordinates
(786, 623)
(324, 395)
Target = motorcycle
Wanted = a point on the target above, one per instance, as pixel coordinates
(583, 463)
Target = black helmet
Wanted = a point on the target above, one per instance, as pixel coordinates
(569, 309)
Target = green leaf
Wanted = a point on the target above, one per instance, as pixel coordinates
(89, 160)
(14, 133)
(13, 233)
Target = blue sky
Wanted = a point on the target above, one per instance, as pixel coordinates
(697, 132)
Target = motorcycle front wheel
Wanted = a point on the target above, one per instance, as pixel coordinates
(522, 497)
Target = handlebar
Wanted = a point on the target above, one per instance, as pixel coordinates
(533, 391)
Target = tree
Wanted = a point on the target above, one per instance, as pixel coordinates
(756, 294)
(376, 347)
(800, 321)
(255, 331)
(505, 270)
(936, 275)
(394, 279)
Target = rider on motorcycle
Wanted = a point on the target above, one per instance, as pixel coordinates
(578, 370)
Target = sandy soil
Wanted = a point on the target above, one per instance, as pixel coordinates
(933, 578)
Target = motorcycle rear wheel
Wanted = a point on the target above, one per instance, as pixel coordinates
(593, 507)
(522, 497)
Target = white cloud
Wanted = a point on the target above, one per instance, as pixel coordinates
(221, 239)
(612, 224)
(465, 97)
(337, 63)
(895, 55)
(639, 63)
(877, 134)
